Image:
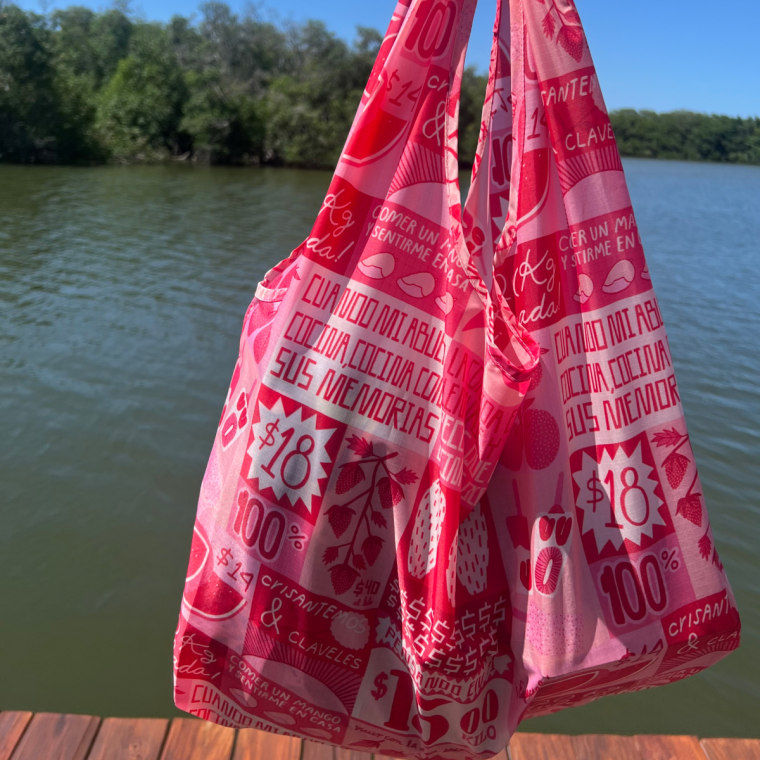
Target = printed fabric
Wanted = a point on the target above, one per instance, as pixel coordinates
(452, 486)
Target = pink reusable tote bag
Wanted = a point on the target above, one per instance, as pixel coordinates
(339, 585)
(616, 583)
(396, 549)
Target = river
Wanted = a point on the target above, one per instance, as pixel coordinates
(122, 293)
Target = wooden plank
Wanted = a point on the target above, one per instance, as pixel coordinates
(63, 737)
(12, 726)
(661, 747)
(317, 751)
(731, 749)
(129, 739)
(525, 746)
(605, 746)
(261, 745)
(193, 739)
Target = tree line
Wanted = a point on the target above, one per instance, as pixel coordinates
(79, 86)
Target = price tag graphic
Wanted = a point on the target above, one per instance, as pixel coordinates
(288, 453)
(617, 497)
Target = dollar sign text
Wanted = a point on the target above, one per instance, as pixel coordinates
(269, 439)
(380, 689)
(597, 492)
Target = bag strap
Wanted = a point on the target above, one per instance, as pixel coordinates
(412, 92)
(486, 206)
(546, 156)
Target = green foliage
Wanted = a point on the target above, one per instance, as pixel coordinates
(470, 114)
(79, 86)
(27, 94)
(140, 109)
(223, 125)
(687, 135)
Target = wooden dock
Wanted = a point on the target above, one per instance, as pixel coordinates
(52, 736)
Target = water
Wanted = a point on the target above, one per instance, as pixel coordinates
(121, 297)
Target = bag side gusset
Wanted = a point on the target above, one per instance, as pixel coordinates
(613, 565)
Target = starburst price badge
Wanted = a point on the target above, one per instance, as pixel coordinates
(616, 496)
(288, 453)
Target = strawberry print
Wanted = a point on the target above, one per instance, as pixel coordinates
(472, 552)
(351, 474)
(343, 577)
(340, 517)
(383, 490)
(428, 523)
(371, 548)
(534, 435)
(690, 507)
(541, 434)
(675, 466)
(570, 36)
(389, 492)
(571, 39)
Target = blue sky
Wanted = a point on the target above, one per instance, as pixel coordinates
(657, 54)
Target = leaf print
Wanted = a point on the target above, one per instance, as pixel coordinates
(360, 446)
(705, 546)
(548, 25)
(406, 476)
(667, 438)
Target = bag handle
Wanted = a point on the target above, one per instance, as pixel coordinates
(412, 92)
(531, 154)
(489, 199)
(426, 41)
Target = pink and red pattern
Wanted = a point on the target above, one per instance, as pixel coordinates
(452, 485)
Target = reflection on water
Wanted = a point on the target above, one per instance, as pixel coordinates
(122, 296)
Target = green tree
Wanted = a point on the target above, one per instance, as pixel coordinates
(140, 109)
(111, 35)
(470, 114)
(28, 106)
(225, 125)
(310, 110)
(77, 77)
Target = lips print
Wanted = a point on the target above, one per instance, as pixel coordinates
(417, 285)
(377, 266)
(547, 570)
(585, 288)
(620, 277)
(445, 302)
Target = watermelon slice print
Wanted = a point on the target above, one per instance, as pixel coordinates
(206, 594)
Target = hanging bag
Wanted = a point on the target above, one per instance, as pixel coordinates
(371, 565)
(341, 582)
